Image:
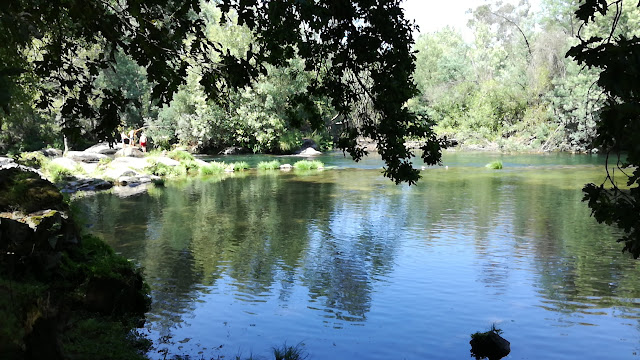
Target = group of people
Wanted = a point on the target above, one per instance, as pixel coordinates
(129, 139)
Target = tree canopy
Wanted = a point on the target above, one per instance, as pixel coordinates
(359, 50)
(618, 130)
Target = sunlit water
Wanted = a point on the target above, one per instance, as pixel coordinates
(351, 266)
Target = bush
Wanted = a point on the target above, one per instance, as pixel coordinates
(269, 165)
(34, 159)
(495, 165)
(308, 165)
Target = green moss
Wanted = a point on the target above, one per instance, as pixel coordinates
(102, 338)
(27, 192)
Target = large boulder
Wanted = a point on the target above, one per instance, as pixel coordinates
(104, 148)
(129, 152)
(6, 161)
(128, 163)
(66, 163)
(26, 191)
(166, 161)
(309, 152)
(235, 150)
(51, 152)
(84, 156)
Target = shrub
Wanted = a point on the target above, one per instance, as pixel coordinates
(34, 159)
(495, 165)
(308, 165)
(269, 165)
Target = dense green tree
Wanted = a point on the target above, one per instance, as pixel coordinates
(618, 126)
(362, 48)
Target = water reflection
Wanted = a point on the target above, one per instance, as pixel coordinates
(261, 258)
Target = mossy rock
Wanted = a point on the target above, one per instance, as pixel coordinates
(26, 191)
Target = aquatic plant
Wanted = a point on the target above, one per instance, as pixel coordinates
(213, 168)
(240, 166)
(269, 165)
(308, 165)
(495, 165)
(289, 352)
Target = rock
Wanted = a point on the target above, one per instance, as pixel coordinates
(6, 161)
(235, 150)
(201, 162)
(309, 152)
(308, 143)
(286, 167)
(118, 172)
(84, 156)
(489, 345)
(128, 163)
(117, 296)
(51, 152)
(129, 152)
(126, 180)
(45, 340)
(127, 191)
(66, 163)
(104, 148)
(25, 190)
(166, 161)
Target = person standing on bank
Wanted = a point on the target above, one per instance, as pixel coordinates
(143, 142)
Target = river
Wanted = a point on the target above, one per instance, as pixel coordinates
(350, 266)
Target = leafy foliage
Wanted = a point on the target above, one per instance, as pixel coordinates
(86, 62)
(618, 128)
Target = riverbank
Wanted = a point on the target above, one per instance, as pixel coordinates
(63, 294)
(129, 171)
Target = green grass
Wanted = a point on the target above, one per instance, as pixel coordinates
(57, 173)
(180, 155)
(495, 165)
(308, 165)
(240, 166)
(269, 165)
(213, 168)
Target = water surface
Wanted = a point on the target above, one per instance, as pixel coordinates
(352, 266)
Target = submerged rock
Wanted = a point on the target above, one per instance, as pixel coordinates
(130, 152)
